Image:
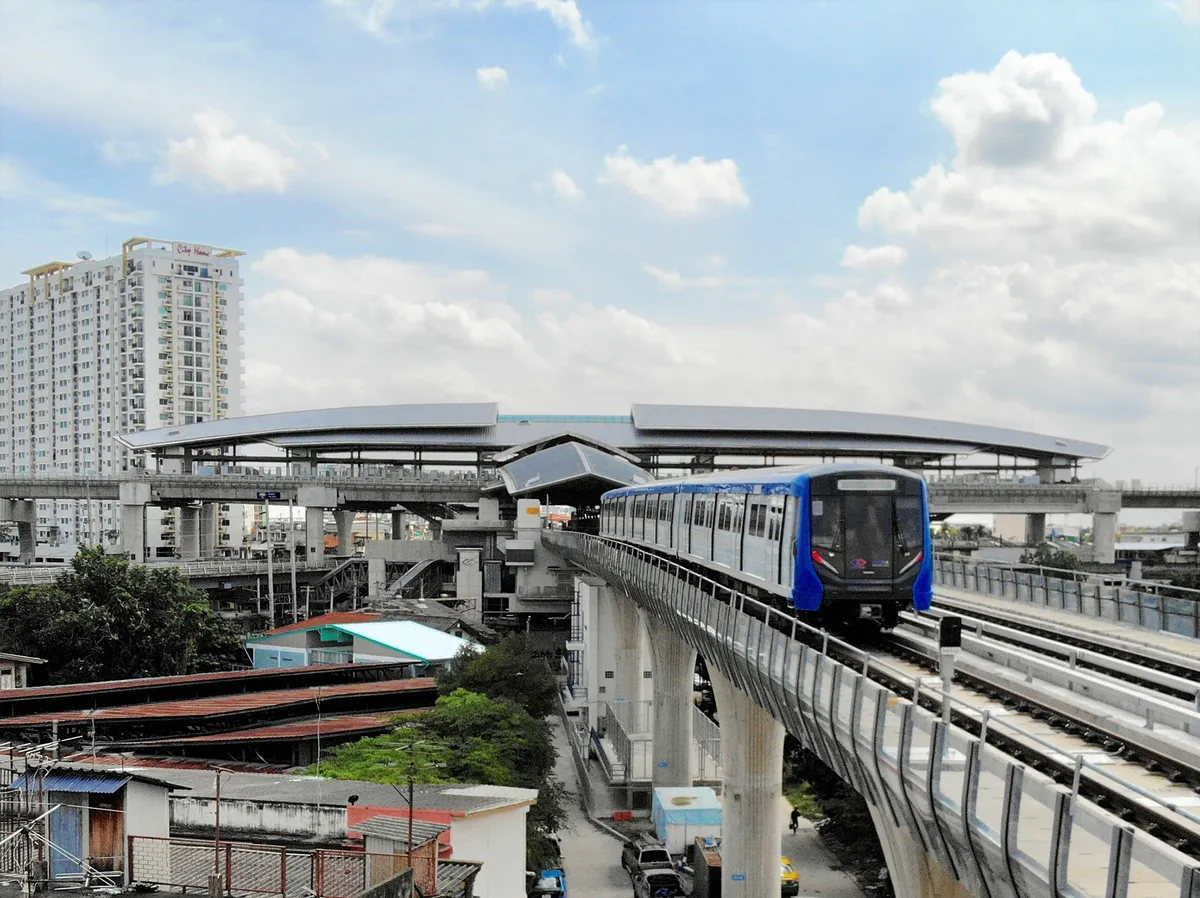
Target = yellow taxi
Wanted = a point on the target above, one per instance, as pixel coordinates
(791, 879)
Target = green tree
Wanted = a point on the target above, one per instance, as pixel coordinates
(467, 738)
(105, 619)
(506, 670)
(1048, 556)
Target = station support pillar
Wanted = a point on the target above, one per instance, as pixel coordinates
(1104, 538)
(674, 681)
(345, 531)
(397, 525)
(189, 532)
(752, 783)
(314, 533)
(208, 529)
(1035, 529)
(23, 512)
(627, 657)
(913, 873)
(134, 496)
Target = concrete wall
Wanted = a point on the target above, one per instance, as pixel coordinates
(408, 550)
(498, 840)
(147, 813)
(278, 817)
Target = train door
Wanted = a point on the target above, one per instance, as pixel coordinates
(651, 518)
(666, 520)
(787, 545)
(683, 522)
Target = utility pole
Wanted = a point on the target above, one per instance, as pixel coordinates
(270, 567)
(292, 551)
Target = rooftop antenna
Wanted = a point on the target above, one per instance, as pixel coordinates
(84, 255)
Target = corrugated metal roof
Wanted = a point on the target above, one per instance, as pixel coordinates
(323, 620)
(217, 706)
(409, 637)
(478, 425)
(102, 783)
(363, 724)
(452, 875)
(386, 826)
(183, 679)
(27, 659)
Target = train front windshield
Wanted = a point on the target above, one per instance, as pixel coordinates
(867, 528)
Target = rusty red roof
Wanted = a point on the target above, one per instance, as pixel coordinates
(304, 729)
(326, 620)
(183, 679)
(220, 705)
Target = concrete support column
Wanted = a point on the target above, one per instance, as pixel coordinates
(345, 530)
(314, 533)
(134, 497)
(397, 525)
(189, 533)
(1104, 537)
(25, 514)
(1035, 529)
(913, 872)
(752, 768)
(628, 660)
(208, 529)
(674, 672)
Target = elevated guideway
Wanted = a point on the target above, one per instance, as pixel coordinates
(957, 815)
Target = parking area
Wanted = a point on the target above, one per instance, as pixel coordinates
(592, 858)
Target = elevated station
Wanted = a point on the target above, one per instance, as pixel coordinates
(467, 466)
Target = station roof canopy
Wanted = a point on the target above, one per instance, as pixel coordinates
(647, 432)
(568, 471)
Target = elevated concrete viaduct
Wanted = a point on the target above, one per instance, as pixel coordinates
(956, 817)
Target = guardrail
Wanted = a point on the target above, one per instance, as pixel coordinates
(1001, 828)
(247, 869)
(1153, 606)
(28, 575)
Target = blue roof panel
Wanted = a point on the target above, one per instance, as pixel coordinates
(72, 781)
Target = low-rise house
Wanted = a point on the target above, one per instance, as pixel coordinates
(15, 670)
(355, 637)
(94, 815)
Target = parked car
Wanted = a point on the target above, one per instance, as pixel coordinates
(791, 879)
(644, 852)
(657, 882)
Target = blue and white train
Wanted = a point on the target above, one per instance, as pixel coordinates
(847, 541)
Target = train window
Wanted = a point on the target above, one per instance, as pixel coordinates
(724, 513)
(775, 519)
(827, 524)
(910, 526)
(687, 512)
(737, 506)
(639, 511)
(651, 515)
(870, 535)
(666, 506)
(758, 517)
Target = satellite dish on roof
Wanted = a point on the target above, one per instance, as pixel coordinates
(84, 255)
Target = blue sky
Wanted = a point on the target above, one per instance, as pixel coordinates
(399, 206)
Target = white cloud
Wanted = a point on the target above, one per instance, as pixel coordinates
(673, 280)
(375, 16)
(1189, 10)
(121, 152)
(233, 160)
(680, 189)
(66, 207)
(874, 257)
(433, 229)
(1036, 172)
(564, 187)
(491, 77)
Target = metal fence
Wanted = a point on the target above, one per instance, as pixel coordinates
(1001, 828)
(250, 870)
(1170, 609)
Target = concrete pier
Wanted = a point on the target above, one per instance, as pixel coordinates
(674, 669)
(752, 766)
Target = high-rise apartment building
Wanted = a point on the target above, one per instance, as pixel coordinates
(91, 349)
